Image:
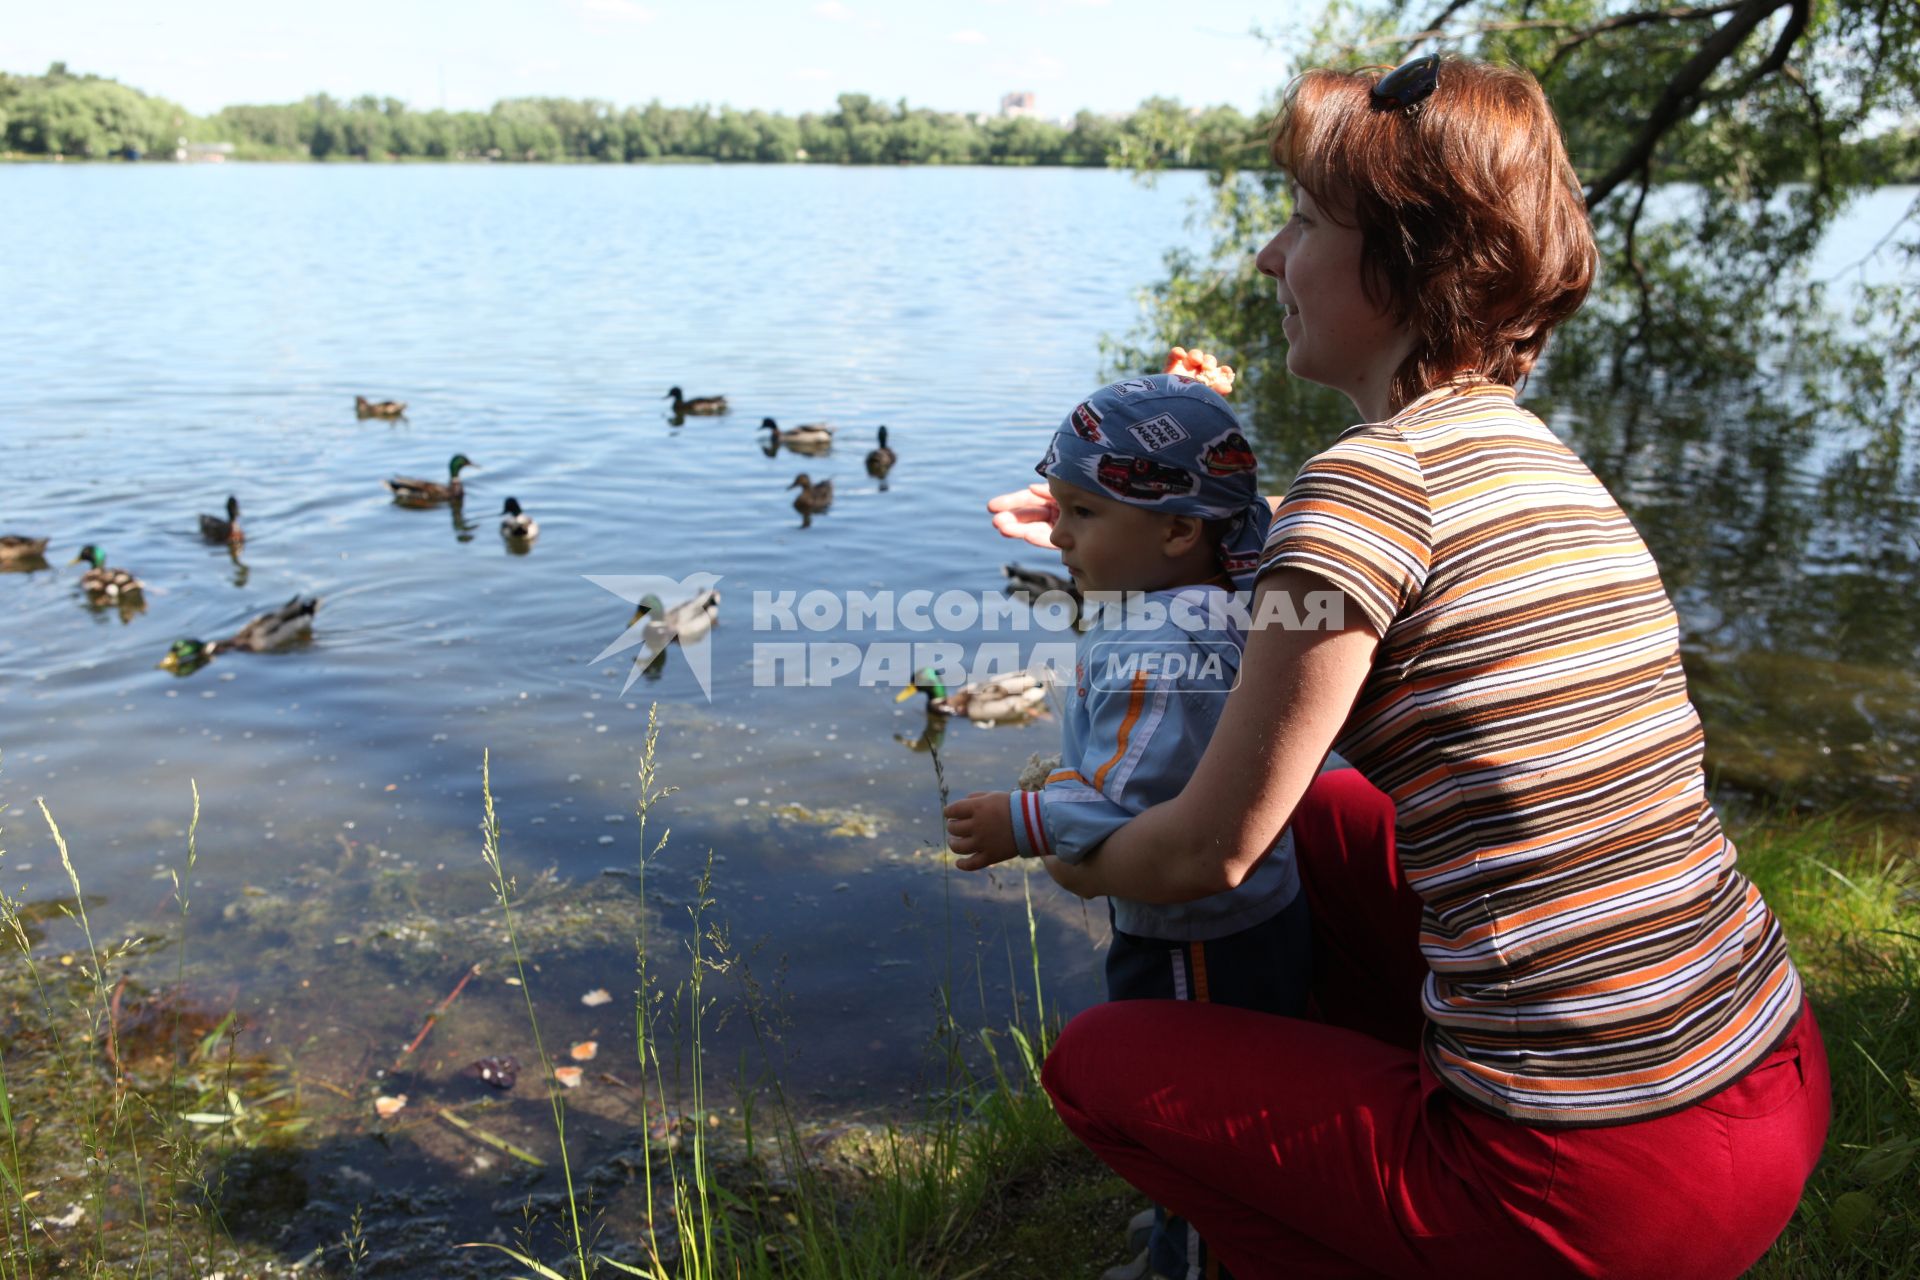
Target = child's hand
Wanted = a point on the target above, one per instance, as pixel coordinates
(1026, 514)
(981, 829)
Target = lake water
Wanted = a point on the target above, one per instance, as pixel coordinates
(176, 334)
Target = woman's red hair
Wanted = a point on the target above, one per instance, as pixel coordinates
(1475, 233)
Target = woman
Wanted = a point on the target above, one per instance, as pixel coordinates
(1559, 1033)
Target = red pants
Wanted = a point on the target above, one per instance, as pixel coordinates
(1329, 1149)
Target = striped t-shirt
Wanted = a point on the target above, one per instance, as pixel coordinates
(1595, 957)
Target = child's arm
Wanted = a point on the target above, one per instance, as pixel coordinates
(1143, 738)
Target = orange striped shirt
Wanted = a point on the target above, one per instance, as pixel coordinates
(1595, 956)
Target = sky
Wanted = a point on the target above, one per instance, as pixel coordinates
(779, 55)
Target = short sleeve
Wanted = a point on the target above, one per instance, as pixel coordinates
(1358, 516)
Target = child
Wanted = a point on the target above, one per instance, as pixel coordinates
(1155, 486)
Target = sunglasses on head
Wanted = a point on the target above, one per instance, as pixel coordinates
(1407, 85)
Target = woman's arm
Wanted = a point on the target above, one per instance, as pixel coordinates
(1296, 688)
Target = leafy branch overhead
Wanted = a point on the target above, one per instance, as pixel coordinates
(1717, 144)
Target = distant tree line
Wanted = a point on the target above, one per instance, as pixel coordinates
(94, 117)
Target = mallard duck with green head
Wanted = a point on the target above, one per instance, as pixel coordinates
(811, 437)
(16, 548)
(515, 524)
(688, 622)
(365, 408)
(214, 529)
(1009, 699)
(411, 489)
(271, 630)
(697, 406)
(103, 584)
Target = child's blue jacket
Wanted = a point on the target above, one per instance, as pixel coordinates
(1144, 704)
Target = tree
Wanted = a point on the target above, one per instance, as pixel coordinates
(1757, 105)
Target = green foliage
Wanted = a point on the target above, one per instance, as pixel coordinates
(59, 113)
(1704, 288)
(64, 114)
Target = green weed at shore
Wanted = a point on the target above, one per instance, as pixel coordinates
(1850, 903)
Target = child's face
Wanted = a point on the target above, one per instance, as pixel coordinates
(1108, 545)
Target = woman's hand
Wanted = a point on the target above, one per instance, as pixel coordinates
(1027, 514)
(980, 827)
(1075, 879)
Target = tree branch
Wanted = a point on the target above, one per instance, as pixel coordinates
(1797, 16)
(1440, 20)
(1434, 31)
(1686, 84)
(1622, 21)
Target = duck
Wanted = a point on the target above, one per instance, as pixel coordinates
(415, 490)
(1035, 582)
(688, 622)
(365, 408)
(700, 406)
(1009, 699)
(214, 529)
(102, 583)
(812, 437)
(269, 630)
(813, 498)
(881, 460)
(18, 547)
(515, 524)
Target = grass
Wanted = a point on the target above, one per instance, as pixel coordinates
(1850, 903)
(116, 1107)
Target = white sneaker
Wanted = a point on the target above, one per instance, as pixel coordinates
(1140, 1229)
(1141, 1268)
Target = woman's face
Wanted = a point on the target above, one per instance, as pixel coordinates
(1335, 334)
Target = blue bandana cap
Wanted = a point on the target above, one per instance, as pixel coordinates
(1169, 443)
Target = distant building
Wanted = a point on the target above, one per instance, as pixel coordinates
(204, 152)
(1018, 104)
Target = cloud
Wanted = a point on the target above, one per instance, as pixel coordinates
(811, 73)
(967, 36)
(618, 10)
(832, 11)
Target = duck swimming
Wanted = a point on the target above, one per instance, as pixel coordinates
(103, 584)
(881, 460)
(16, 547)
(214, 529)
(813, 437)
(813, 498)
(699, 406)
(515, 524)
(1009, 699)
(420, 492)
(269, 630)
(365, 408)
(688, 622)
(1035, 582)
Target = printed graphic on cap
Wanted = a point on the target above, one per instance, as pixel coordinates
(1086, 422)
(1132, 385)
(1227, 455)
(1158, 433)
(1143, 479)
(1053, 457)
